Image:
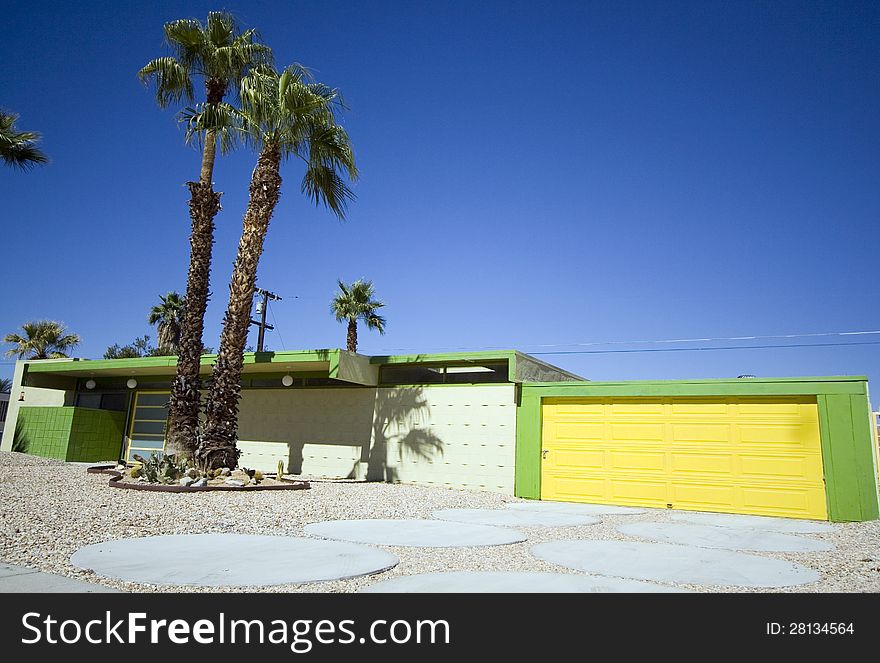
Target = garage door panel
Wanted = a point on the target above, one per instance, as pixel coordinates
(579, 431)
(636, 432)
(635, 491)
(638, 461)
(775, 499)
(701, 434)
(737, 455)
(579, 459)
(781, 468)
(703, 496)
(691, 462)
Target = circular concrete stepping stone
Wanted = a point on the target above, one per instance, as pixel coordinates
(224, 560)
(661, 562)
(574, 508)
(415, 533)
(512, 518)
(511, 582)
(785, 525)
(728, 538)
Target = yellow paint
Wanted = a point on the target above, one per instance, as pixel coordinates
(736, 455)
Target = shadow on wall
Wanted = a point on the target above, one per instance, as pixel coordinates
(20, 441)
(399, 421)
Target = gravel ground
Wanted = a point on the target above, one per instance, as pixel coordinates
(50, 509)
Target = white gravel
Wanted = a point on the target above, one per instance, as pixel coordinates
(50, 509)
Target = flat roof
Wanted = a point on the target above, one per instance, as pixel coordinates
(332, 363)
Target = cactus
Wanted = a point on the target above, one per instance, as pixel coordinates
(258, 476)
(280, 470)
(135, 472)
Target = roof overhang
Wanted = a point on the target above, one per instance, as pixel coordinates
(337, 364)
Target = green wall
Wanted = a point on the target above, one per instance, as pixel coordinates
(844, 422)
(69, 433)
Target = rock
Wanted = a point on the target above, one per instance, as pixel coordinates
(186, 481)
(234, 482)
(225, 472)
(200, 483)
(192, 473)
(120, 468)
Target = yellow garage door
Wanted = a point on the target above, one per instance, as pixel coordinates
(734, 455)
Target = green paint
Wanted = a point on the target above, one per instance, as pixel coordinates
(847, 457)
(69, 433)
(527, 481)
(844, 424)
(88, 366)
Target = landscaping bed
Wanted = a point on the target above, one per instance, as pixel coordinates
(119, 479)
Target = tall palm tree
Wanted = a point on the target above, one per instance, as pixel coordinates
(282, 115)
(5, 385)
(42, 339)
(355, 302)
(220, 54)
(168, 316)
(19, 148)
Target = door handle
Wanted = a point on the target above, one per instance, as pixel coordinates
(544, 454)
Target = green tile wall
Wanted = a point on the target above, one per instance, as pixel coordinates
(70, 433)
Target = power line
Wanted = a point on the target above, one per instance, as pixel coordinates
(730, 347)
(755, 337)
(275, 323)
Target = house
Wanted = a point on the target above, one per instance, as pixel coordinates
(499, 420)
(4, 407)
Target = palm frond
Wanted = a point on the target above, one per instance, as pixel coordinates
(170, 78)
(223, 120)
(18, 148)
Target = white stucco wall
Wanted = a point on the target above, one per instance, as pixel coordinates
(461, 436)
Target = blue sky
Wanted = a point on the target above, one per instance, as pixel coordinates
(532, 174)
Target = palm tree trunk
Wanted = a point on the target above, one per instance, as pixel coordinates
(209, 154)
(352, 335)
(181, 434)
(217, 448)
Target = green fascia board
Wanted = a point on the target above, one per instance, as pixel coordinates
(718, 387)
(86, 366)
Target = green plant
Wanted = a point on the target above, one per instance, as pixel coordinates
(162, 469)
(356, 302)
(19, 148)
(42, 339)
(280, 470)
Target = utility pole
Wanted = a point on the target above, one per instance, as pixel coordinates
(261, 309)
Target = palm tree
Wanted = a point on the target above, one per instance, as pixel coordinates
(19, 148)
(282, 115)
(43, 339)
(355, 302)
(5, 385)
(168, 316)
(220, 54)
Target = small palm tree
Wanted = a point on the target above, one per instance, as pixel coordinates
(220, 54)
(168, 316)
(19, 148)
(5, 385)
(42, 339)
(282, 115)
(355, 302)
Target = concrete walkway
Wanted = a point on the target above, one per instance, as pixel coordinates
(21, 579)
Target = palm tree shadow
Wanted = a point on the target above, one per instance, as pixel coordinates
(401, 430)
